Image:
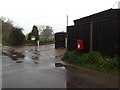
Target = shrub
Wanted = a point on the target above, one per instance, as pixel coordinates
(16, 37)
(66, 56)
(93, 60)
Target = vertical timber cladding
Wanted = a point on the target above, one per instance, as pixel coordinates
(60, 40)
(106, 37)
(71, 38)
(103, 37)
(117, 37)
(105, 32)
(119, 34)
(83, 32)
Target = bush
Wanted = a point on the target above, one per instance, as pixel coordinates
(93, 60)
(16, 37)
(5, 40)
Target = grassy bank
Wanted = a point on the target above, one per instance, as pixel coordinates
(93, 60)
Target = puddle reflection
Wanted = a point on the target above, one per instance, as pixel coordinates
(14, 55)
(36, 56)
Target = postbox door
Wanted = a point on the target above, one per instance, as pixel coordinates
(80, 44)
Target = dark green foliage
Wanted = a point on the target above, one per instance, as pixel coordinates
(11, 35)
(16, 37)
(29, 36)
(5, 40)
(93, 60)
(33, 33)
(45, 36)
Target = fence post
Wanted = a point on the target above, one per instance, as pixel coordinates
(91, 36)
(38, 44)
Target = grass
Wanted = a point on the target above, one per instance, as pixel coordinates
(42, 41)
(4, 43)
(93, 60)
(46, 39)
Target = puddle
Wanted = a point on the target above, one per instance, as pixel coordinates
(35, 56)
(45, 55)
(14, 55)
(19, 61)
(18, 56)
(59, 56)
(37, 68)
(27, 58)
(59, 65)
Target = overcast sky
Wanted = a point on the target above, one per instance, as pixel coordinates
(26, 13)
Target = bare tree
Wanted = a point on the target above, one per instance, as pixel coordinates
(7, 25)
(41, 28)
(45, 31)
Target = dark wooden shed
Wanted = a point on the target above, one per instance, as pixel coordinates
(60, 41)
(71, 38)
(100, 32)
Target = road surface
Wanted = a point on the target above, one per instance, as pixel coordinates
(38, 70)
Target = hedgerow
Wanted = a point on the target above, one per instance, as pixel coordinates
(93, 60)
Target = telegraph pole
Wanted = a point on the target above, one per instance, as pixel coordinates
(116, 3)
(66, 33)
(67, 20)
(119, 5)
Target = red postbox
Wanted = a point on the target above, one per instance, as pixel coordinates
(80, 44)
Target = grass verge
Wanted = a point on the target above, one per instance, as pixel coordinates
(93, 60)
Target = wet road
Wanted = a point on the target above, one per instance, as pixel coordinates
(86, 78)
(38, 70)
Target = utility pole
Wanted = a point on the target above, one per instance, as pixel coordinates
(66, 33)
(67, 20)
(119, 5)
(116, 3)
